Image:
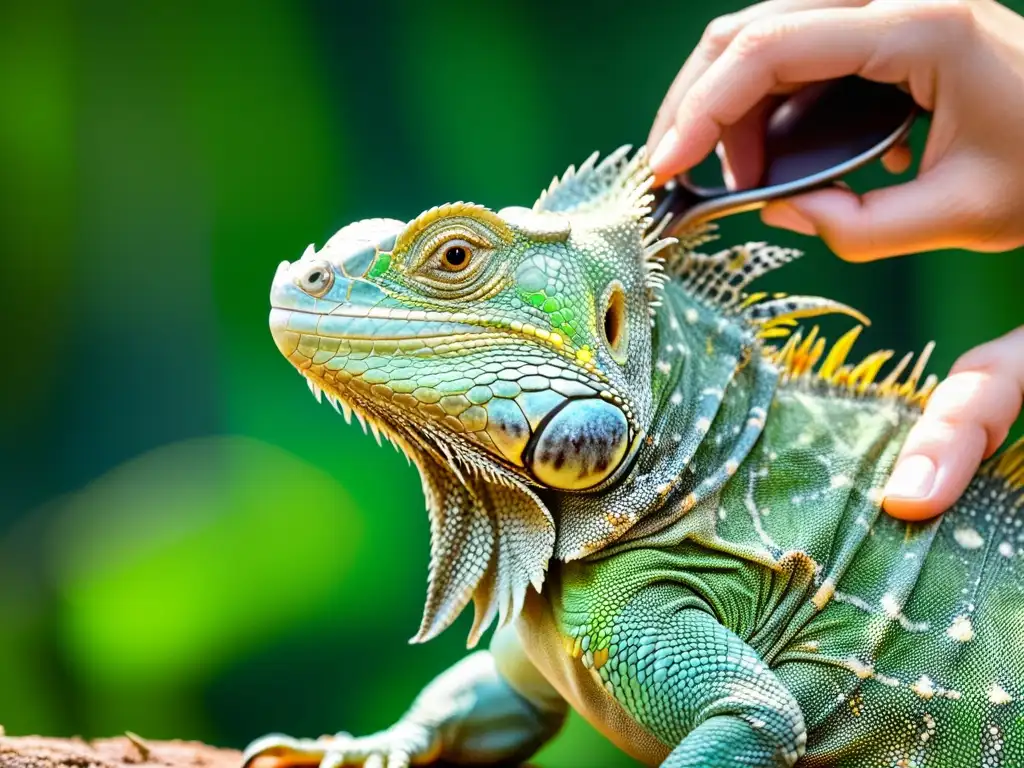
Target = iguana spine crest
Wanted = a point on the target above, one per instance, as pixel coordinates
(798, 356)
(1009, 466)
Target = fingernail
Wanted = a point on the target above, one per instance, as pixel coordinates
(786, 216)
(727, 175)
(913, 478)
(728, 178)
(664, 149)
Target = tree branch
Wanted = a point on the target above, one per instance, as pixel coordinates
(39, 752)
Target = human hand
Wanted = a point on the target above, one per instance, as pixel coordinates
(967, 418)
(961, 60)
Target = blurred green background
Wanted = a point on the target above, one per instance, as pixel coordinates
(189, 545)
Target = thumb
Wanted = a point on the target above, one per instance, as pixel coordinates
(941, 209)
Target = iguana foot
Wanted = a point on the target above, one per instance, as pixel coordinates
(400, 746)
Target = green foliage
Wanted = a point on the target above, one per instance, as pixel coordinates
(189, 545)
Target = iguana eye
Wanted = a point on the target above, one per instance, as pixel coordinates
(456, 256)
(451, 262)
(453, 259)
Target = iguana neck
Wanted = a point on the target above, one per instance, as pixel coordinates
(717, 396)
(695, 359)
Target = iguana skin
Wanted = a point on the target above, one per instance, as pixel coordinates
(677, 526)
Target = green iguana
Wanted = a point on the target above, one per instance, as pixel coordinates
(665, 492)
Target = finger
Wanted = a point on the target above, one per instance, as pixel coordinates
(717, 36)
(880, 43)
(742, 145)
(947, 207)
(967, 418)
(898, 159)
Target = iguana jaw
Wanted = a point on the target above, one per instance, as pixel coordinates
(346, 348)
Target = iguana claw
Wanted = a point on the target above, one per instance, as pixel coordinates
(289, 751)
(396, 747)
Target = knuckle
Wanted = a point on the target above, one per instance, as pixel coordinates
(951, 18)
(952, 11)
(972, 397)
(933, 430)
(755, 39)
(953, 397)
(1002, 358)
(719, 34)
(978, 359)
(852, 243)
(847, 248)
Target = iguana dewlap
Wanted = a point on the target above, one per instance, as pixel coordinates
(665, 494)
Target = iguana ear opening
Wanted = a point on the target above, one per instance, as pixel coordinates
(489, 541)
(616, 322)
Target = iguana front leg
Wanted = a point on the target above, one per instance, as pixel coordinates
(692, 682)
(491, 707)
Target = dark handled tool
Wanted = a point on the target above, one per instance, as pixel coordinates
(812, 139)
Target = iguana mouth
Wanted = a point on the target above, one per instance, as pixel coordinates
(294, 315)
(344, 324)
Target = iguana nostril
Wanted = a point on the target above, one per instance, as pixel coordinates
(317, 280)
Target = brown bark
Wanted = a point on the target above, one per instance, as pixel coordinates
(129, 751)
(39, 752)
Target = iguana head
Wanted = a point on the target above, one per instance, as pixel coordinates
(507, 353)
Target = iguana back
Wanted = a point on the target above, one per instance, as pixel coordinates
(902, 643)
